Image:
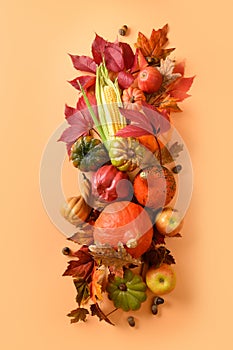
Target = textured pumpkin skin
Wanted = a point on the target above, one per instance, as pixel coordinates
(155, 187)
(133, 97)
(88, 154)
(126, 153)
(133, 294)
(124, 222)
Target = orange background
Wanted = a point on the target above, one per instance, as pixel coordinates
(35, 39)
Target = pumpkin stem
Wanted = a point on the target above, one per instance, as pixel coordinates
(123, 287)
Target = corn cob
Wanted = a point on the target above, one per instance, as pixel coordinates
(108, 99)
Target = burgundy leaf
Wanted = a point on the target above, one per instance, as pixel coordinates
(137, 118)
(114, 57)
(128, 55)
(97, 48)
(69, 111)
(83, 266)
(125, 79)
(158, 121)
(86, 81)
(71, 134)
(83, 63)
(132, 131)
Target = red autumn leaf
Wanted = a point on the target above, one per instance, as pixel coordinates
(125, 79)
(80, 122)
(114, 57)
(97, 48)
(139, 62)
(86, 81)
(128, 55)
(179, 88)
(83, 63)
(83, 266)
(179, 68)
(69, 111)
(149, 122)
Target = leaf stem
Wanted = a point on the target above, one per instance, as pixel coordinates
(111, 312)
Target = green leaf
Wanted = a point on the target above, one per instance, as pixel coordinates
(79, 314)
(83, 291)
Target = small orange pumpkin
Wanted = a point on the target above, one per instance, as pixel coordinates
(124, 222)
(155, 186)
(133, 97)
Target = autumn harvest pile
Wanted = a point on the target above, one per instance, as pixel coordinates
(119, 139)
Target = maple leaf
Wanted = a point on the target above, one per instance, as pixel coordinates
(108, 256)
(169, 154)
(79, 314)
(154, 47)
(83, 290)
(83, 266)
(96, 311)
(158, 256)
(84, 234)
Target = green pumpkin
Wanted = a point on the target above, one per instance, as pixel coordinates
(128, 292)
(88, 154)
(126, 153)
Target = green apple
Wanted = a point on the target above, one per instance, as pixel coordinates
(161, 280)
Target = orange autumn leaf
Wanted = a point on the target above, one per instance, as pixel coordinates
(154, 47)
(98, 284)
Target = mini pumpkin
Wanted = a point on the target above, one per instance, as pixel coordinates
(88, 153)
(133, 97)
(75, 210)
(126, 153)
(155, 186)
(128, 292)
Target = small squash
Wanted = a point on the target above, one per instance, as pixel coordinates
(75, 210)
(128, 292)
(126, 153)
(88, 154)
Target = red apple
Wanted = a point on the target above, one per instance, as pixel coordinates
(149, 79)
(168, 222)
(161, 280)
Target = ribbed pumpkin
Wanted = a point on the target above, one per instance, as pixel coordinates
(124, 222)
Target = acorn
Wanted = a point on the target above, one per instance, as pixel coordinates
(75, 210)
(176, 169)
(131, 321)
(123, 30)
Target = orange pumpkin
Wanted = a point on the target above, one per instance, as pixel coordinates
(154, 187)
(124, 222)
(133, 97)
